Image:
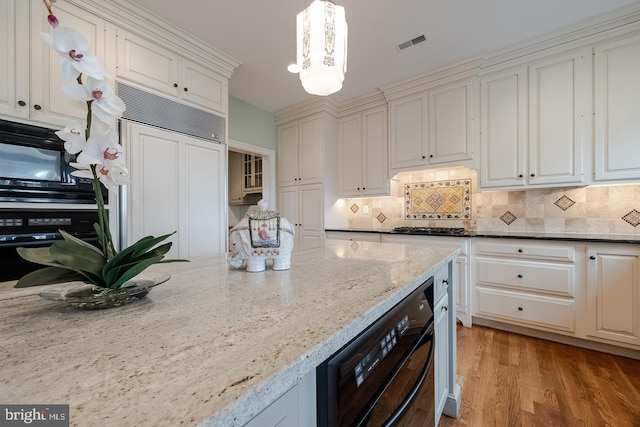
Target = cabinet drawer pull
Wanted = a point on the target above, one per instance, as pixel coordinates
(175, 85)
(445, 308)
(592, 257)
(519, 276)
(186, 89)
(520, 309)
(445, 281)
(533, 175)
(22, 103)
(520, 176)
(520, 250)
(37, 107)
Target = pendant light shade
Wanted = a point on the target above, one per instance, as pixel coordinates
(322, 47)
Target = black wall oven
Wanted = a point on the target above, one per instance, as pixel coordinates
(34, 167)
(385, 376)
(34, 228)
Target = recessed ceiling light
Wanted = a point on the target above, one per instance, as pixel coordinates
(293, 68)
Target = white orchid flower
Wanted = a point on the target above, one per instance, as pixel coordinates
(111, 176)
(105, 105)
(74, 137)
(74, 51)
(101, 149)
(108, 156)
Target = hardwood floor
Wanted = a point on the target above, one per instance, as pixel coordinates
(513, 380)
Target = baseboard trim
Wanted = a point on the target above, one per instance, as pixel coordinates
(549, 336)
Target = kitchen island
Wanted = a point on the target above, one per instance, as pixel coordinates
(212, 346)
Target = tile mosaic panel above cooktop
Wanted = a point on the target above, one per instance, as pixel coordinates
(449, 199)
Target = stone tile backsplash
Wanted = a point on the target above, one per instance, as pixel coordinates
(611, 209)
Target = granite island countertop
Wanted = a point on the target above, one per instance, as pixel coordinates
(213, 345)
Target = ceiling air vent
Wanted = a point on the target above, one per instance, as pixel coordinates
(414, 41)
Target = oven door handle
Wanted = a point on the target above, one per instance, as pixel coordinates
(28, 243)
(427, 336)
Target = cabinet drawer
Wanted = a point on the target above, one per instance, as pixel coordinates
(518, 307)
(550, 278)
(527, 250)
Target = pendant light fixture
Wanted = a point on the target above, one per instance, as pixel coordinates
(322, 47)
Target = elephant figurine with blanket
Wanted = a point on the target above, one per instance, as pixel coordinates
(261, 236)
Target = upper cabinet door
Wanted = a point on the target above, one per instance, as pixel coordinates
(143, 62)
(48, 102)
(288, 136)
(310, 150)
(451, 123)
(375, 165)
(350, 158)
(503, 114)
(556, 111)
(200, 86)
(14, 58)
(617, 110)
(408, 132)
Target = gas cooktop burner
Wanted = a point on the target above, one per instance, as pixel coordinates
(430, 230)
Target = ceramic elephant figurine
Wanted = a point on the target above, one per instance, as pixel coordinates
(259, 237)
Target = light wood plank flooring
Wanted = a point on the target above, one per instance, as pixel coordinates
(512, 380)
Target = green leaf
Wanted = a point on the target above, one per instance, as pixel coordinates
(134, 271)
(36, 255)
(48, 276)
(69, 238)
(77, 256)
(134, 252)
(43, 256)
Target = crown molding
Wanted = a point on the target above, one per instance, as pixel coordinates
(138, 20)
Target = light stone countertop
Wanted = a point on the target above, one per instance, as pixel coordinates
(213, 345)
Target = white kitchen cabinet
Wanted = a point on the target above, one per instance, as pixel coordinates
(408, 133)
(433, 128)
(30, 79)
(183, 195)
(617, 111)
(296, 407)
(558, 102)
(503, 114)
(144, 63)
(235, 177)
(300, 151)
(307, 151)
(14, 58)
(303, 207)
(363, 154)
(463, 284)
(441, 356)
(451, 118)
(613, 292)
(527, 283)
(533, 123)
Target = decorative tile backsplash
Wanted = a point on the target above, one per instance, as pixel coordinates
(427, 202)
(449, 199)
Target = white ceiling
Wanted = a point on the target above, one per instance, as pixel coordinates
(261, 35)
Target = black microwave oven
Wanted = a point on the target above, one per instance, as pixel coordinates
(34, 167)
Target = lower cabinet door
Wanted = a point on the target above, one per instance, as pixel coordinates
(281, 413)
(442, 354)
(613, 293)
